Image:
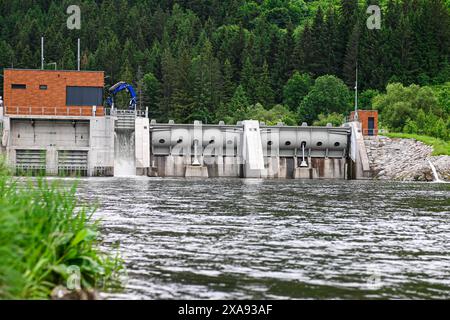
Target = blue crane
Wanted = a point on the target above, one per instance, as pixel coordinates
(120, 86)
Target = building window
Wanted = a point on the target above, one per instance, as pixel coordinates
(84, 96)
(18, 86)
(43, 87)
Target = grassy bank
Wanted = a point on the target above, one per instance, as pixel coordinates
(47, 239)
(440, 147)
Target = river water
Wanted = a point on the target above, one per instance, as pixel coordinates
(259, 239)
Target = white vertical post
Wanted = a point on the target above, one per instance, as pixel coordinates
(355, 118)
(303, 163)
(42, 53)
(78, 59)
(195, 162)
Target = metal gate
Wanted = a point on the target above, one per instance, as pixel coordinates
(72, 162)
(31, 161)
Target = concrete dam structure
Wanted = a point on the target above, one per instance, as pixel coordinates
(125, 143)
(248, 149)
(54, 123)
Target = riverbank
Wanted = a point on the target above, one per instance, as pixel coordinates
(440, 147)
(400, 159)
(48, 240)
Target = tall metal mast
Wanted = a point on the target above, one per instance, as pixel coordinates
(356, 94)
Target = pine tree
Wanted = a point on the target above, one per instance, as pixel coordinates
(207, 89)
(351, 57)
(264, 93)
(152, 94)
(168, 70)
(248, 80)
(317, 65)
(182, 97)
(348, 13)
(228, 83)
(332, 44)
(238, 106)
(6, 55)
(371, 58)
(107, 59)
(303, 52)
(122, 98)
(282, 66)
(68, 60)
(140, 88)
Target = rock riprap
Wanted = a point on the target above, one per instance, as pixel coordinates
(404, 160)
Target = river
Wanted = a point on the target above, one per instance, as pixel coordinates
(281, 239)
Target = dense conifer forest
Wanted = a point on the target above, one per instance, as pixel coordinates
(275, 60)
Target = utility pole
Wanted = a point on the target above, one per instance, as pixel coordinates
(355, 117)
(78, 56)
(42, 53)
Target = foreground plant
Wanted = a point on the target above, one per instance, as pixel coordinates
(47, 239)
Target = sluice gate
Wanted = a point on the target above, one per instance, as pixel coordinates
(249, 149)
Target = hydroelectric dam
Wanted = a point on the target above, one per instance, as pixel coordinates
(55, 123)
(129, 143)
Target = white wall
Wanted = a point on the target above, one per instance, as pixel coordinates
(142, 142)
(101, 153)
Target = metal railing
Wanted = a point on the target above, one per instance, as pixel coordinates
(125, 112)
(55, 111)
(374, 132)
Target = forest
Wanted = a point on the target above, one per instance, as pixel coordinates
(288, 61)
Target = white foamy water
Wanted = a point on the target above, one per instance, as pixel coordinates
(124, 154)
(435, 173)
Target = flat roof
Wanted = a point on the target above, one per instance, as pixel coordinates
(48, 70)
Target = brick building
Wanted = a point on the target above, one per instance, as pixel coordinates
(369, 121)
(53, 92)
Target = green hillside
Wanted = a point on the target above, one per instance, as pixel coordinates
(224, 59)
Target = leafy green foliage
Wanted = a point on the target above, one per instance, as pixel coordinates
(415, 110)
(336, 119)
(328, 95)
(273, 116)
(258, 44)
(44, 233)
(296, 89)
(366, 98)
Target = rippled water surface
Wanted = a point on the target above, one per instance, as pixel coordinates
(258, 239)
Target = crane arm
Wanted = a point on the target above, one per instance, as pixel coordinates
(120, 86)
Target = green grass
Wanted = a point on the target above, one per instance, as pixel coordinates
(440, 147)
(44, 235)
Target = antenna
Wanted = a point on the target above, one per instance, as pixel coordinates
(78, 59)
(355, 117)
(42, 53)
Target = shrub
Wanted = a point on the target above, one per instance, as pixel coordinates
(45, 233)
(336, 119)
(328, 95)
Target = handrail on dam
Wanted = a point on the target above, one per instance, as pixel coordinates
(126, 112)
(81, 111)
